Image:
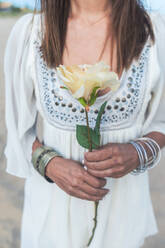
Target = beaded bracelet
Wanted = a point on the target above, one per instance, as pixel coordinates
(145, 161)
(40, 159)
(37, 155)
(45, 160)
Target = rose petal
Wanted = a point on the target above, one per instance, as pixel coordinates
(101, 66)
(79, 93)
(113, 84)
(61, 76)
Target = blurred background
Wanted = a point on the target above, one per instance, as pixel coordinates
(11, 188)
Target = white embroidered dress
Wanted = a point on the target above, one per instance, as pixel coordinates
(52, 218)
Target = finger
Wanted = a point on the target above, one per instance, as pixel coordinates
(108, 173)
(101, 165)
(93, 181)
(91, 190)
(77, 192)
(83, 195)
(99, 155)
(122, 172)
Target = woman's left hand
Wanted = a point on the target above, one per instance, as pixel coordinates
(112, 160)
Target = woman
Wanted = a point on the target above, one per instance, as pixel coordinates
(120, 33)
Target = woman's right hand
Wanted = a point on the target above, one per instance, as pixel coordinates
(71, 177)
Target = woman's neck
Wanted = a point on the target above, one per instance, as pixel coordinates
(89, 9)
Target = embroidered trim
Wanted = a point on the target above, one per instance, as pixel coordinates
(63, 111)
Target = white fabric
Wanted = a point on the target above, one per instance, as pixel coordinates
(52, 218)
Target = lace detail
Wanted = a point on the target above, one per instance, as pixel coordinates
(63, 111)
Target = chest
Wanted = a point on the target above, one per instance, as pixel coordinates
(86, 45)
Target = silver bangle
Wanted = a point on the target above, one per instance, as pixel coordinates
(144, 152)
(154, 155)
(37, 155)
(145, 161)
(156, 150)
(40, 159)
(45, 160)
(140, 168)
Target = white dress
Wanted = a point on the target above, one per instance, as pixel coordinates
(52, 218)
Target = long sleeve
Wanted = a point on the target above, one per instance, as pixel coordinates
(21, 112)
(155, 117)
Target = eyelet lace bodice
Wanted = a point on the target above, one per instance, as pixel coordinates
(63, 111)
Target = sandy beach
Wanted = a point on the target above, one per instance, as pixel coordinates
(11, 188)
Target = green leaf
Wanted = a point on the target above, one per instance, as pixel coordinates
(93, 96)
(83, 101)
(83, 139)
(98, 120)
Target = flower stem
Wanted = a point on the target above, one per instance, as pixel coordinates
(89, 136)
(95, 223)
(96, 204)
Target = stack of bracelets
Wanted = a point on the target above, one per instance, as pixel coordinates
(40, 159)
(146, 162)
(43, 155)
